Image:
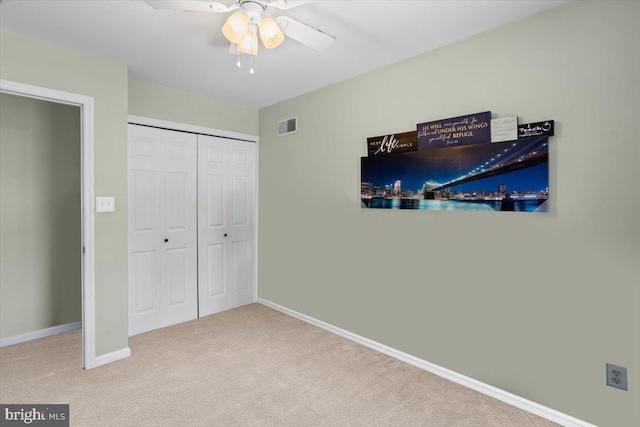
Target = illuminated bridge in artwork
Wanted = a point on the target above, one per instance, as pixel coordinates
(518, 155)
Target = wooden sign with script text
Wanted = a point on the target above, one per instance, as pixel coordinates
(394, 143)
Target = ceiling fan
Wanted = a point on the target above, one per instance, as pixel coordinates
(242, 27)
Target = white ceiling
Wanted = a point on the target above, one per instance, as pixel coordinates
(187, 51)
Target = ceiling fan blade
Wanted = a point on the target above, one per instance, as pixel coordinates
(286, 4)
(304, 33)
(191, 5)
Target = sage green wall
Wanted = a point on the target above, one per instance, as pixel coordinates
(158, 102)
(40, 220)
(534, 304)
(37, 63)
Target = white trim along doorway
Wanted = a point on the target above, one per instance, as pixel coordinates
(149, 290)
(87, 195)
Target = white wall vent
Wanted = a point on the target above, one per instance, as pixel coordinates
(287, 126)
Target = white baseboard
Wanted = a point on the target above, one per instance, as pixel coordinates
(110, 357)
(496, 393)
(29, 336)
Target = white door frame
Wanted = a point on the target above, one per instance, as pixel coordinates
(88, 212)
(164, 124)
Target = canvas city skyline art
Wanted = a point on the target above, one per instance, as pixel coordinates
(507, 176)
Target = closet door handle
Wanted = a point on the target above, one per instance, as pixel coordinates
(225, 234)
(166, 240)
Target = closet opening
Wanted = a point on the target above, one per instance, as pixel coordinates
(192, 222)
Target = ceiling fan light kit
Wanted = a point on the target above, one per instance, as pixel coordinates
(242, 27)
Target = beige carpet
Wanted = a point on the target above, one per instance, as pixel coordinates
(251, 366)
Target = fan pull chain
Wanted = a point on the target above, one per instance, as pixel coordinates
(238, 63)
(251, 72)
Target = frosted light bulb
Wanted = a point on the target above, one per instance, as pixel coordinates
(269, 30)
(238, 26)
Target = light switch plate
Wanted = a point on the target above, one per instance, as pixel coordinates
(105, 204)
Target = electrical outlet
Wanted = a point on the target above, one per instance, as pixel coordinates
(617, 376)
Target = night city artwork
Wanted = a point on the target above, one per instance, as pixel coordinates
(505, 176)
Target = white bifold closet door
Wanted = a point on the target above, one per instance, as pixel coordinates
(226, 211)
(162, 228)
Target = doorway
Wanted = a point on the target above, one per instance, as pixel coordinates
(56, 190)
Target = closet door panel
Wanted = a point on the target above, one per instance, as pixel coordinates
(241, 228)
(242, 269)
(177, 204)
(226, 183)
(179, 305)
(214, 200)
(143, 210)
(212, 225)
(145, 287)
(162, 228)
(144, 297)
(215, 271)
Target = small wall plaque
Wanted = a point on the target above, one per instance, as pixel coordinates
(504, 129)
(528, 130)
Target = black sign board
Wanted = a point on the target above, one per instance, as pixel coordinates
(535, 129)
(463, 130)
(395, 143)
